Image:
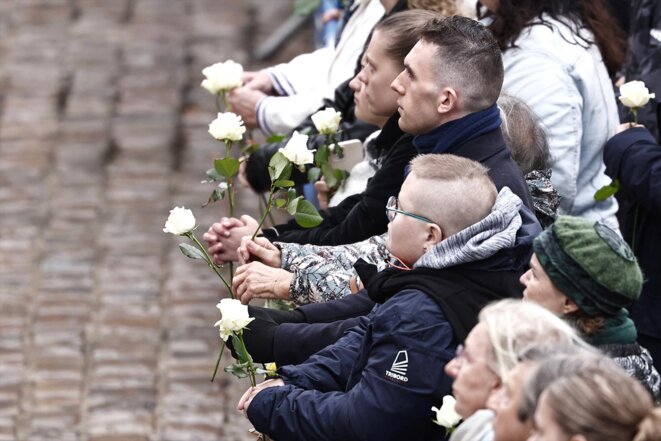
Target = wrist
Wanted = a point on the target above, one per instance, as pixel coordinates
(283, 284)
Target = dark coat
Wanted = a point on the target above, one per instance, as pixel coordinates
(350, 128)
(634, 158)
(644, 58)
(379, 381)
(362, 216)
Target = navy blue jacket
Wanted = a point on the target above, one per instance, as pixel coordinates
(378, 382)
(634, 158)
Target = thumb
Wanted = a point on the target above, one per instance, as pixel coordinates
(258, 251)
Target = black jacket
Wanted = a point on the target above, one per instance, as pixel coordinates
(350, 128)
(644, 59)
(362, 216)
(634, 158)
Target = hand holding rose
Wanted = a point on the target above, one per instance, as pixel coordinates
(259, 250)
(257, 281)
(248, 396)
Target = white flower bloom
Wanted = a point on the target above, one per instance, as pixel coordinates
(227, 127)
(635, 94)
(446, 415)
(233, 317)
(297, 151)
(327, 121)
(180, 221)
(222, 77)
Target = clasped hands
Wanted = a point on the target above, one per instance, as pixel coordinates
(260, 275)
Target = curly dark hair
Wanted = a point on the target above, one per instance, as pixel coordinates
(515, 15)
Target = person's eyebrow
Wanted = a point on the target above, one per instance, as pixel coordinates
(407, 68)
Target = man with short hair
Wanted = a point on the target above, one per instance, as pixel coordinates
(381, 379)
(451, 108)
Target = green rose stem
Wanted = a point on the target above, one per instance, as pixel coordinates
(251, 366)
(262, 204)
(230, 198)
(241, 350)
(267, 210)
(209, 260)
(215, 369)
(222, 105)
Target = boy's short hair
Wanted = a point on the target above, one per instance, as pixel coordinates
(459, 192)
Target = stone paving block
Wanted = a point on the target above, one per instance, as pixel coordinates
(102, 11)
(44, 12)
(149, 102)
(53, 426)
(97, 81)
(128, 424)
(40, 80)
(91, 52)
(146, 137)
(37, 45)
(28, 117)
(80, 106)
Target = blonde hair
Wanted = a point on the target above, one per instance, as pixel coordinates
(603, 404)
(459, 194)
(515, 325)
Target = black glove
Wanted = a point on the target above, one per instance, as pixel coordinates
(260, 333)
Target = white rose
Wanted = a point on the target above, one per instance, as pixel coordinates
(327, 121)
(635, 94)
(180, 221)
(446, 415)
(233, 317)
(227, 127)
(222, 77)
(297, 151)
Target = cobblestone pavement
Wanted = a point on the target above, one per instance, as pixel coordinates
(105, 328)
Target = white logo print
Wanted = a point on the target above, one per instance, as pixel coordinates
(399, 366)
(401, 363)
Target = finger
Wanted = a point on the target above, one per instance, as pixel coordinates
(258, 251)
(247, 394)
(210, 238)
(243, 255)
(216, 249)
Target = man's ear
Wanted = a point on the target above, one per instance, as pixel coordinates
(434, 235)
(447, 100)
(569, 306)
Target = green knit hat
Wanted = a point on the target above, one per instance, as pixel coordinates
(591, 264)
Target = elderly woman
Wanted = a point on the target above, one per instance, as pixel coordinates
(504, 329)
(584, 272)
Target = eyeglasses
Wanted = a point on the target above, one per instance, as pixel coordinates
(392, 210)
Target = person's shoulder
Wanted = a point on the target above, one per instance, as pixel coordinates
(410, 304)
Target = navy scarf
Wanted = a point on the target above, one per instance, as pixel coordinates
(447, 137)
